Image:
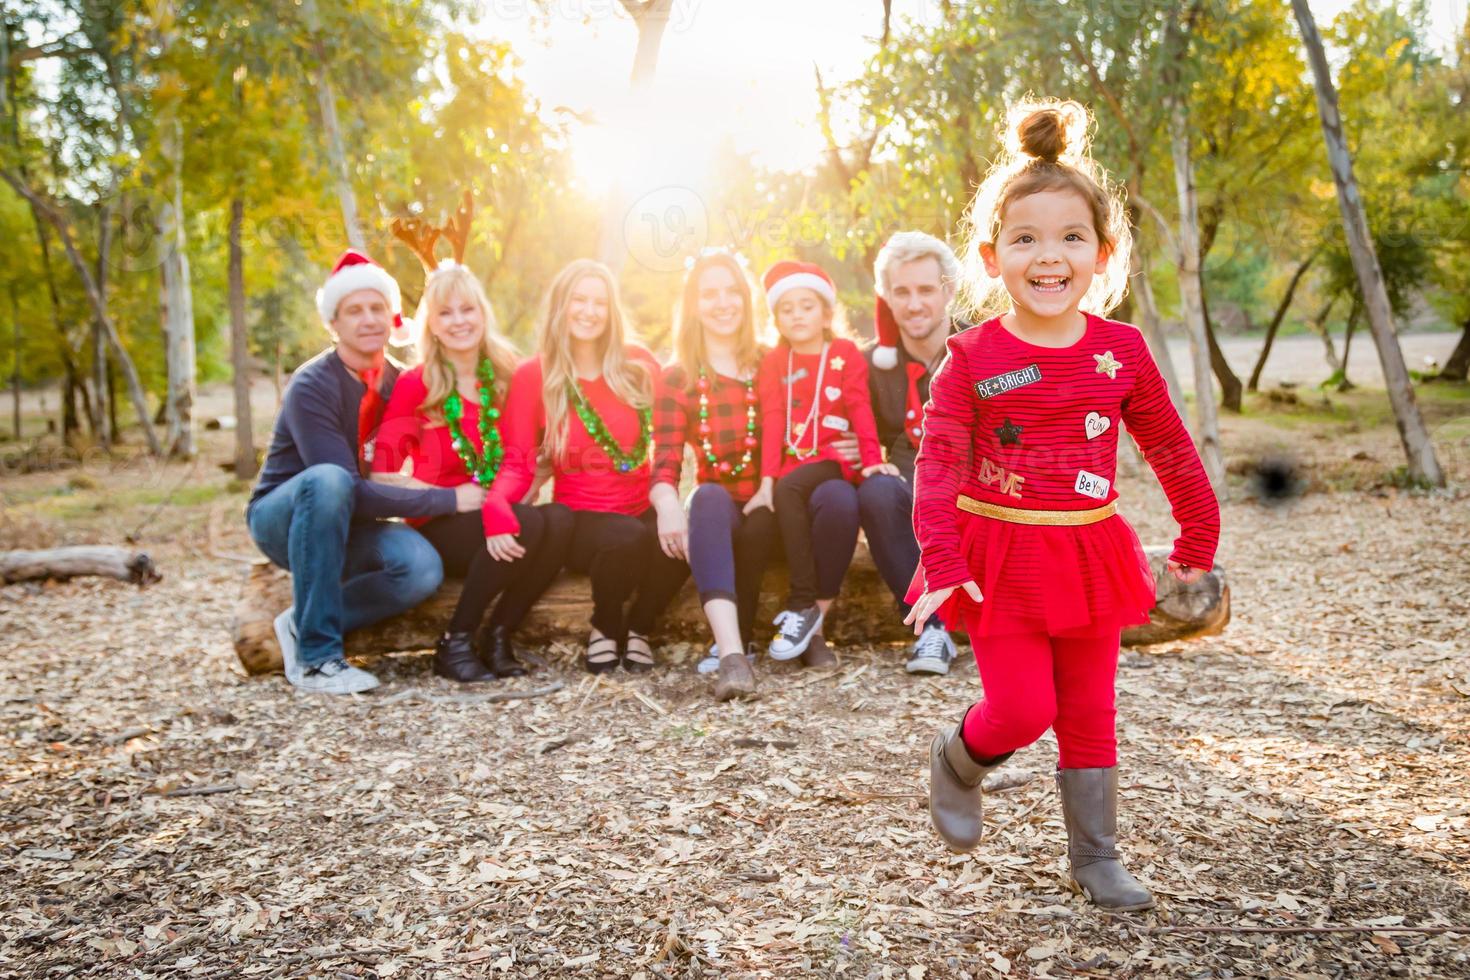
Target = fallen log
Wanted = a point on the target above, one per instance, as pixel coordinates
(64, 563)
(864, 614)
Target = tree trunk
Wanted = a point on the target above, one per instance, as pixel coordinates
(15, 368)
(178, 302)
(239, 350)
(864, 616)
(1280, 315)
(102, 413)
(1207, 424)
(651, 17)
(1232, 392)
(69, 424)
(112, 402)
(1344, 383)
(1151, 325)
(326, 99)
(1423, 464)
(99, 306)
(1455, 368)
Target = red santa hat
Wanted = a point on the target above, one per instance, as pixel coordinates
(355, 271)
(783, 277)
(885, 327)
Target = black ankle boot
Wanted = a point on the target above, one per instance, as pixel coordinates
(499, 654)
(455, 658)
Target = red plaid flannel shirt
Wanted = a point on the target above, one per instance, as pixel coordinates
(676, 422)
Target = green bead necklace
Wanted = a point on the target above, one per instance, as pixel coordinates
(483, 465)
(592, 422)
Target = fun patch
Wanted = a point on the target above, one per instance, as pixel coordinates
(833, 394)
(1092, 485)
(992, 475)
(1010, 381)
(1097, 424)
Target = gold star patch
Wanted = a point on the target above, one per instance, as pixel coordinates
(1107, 365)
(836, 363)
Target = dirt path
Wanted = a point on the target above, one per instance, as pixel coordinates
(160, 814)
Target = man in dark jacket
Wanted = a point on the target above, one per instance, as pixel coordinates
(915, 276)
(314, 512)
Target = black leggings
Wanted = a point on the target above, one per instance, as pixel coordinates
(621, 555)
(817, 511)
(546, 531)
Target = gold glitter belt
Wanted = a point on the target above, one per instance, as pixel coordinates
(1017, 515)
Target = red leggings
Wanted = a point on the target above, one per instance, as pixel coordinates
(1034, 682)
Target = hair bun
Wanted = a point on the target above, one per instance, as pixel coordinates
(1043, 135)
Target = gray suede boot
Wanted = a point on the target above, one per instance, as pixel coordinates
(1090, 808)
(954, 789)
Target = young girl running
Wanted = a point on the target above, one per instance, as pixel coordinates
(585, 405)
(813, 390)
(1014, 505)
(445, 418)
(708, 400)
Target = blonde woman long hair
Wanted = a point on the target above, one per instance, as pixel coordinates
(447, 284)
(689, 348)
(628, 379)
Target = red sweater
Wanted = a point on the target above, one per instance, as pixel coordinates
(406, 434)
(843, 409)
(676, 421)
(586, 478)
(1036, 428)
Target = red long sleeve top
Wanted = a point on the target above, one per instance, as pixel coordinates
(843, 408)
(676, 421)
(1036, 428)
(586, 477)
(407, 434)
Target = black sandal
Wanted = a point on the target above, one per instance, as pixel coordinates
(601, 655)
(640, 659)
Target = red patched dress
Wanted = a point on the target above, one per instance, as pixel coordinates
(1014, 425)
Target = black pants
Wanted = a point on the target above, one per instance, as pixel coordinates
(622, 557)
(815, 504)
(546, 532)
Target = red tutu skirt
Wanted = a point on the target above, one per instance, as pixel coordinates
(1059, 580)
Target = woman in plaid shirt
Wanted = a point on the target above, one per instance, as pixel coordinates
(708, 400)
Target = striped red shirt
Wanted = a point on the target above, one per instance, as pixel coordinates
(676, 422)
(1011, 423)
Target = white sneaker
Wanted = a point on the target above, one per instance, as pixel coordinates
(286, 637)
(711, 663)
(336, 677)
(794, 632)
(933, 652)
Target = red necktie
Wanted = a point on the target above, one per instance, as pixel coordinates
(913, 416)
(367, 417)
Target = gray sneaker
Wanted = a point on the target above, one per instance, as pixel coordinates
(933, 652)
(794, 632)
(711, 663)
(286, 637)
(336, 677)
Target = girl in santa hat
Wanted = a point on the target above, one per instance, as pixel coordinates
(813, 390)
(708, 400)
(446, 419)
(1014, 504)
(584, 405)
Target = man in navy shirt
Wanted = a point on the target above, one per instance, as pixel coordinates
(314, 512)
(915, 275)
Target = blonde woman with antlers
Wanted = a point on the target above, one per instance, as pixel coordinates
(446, 420)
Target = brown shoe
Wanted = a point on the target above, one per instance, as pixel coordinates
(818, 654)
(735, 680)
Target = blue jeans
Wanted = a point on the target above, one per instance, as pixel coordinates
(344, 575)
(729, 550)
(886, 505)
